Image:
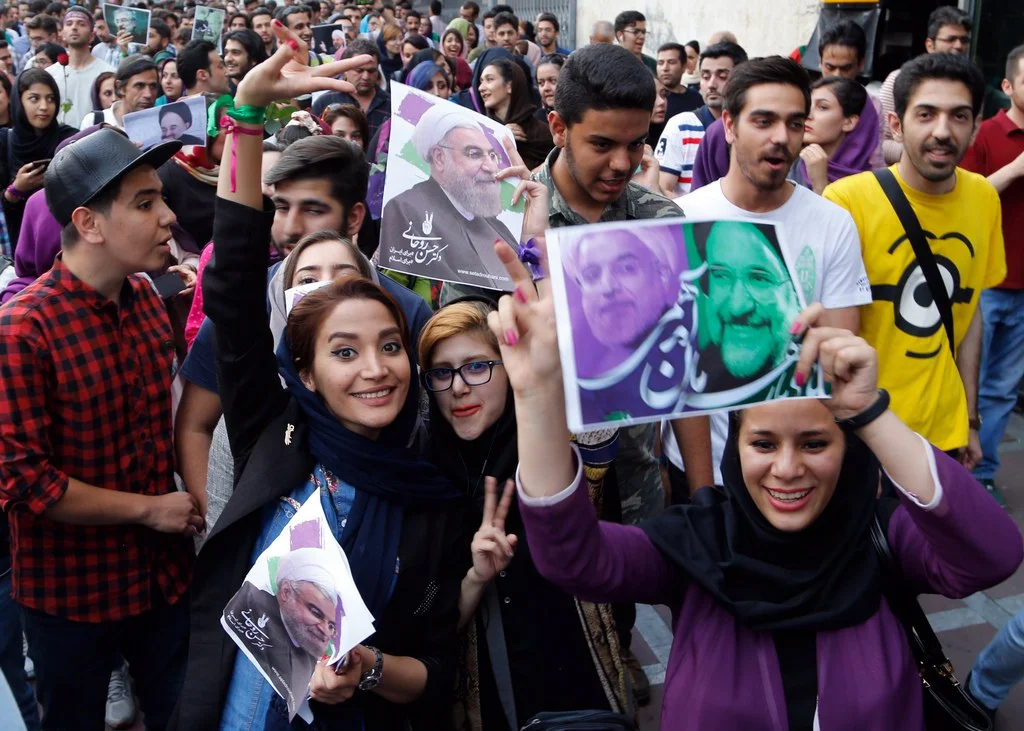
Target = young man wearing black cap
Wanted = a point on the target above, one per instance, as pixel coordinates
(101, 538)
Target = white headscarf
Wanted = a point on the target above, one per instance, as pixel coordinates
(435, 125)
(308, 564)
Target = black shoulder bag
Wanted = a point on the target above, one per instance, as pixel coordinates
(923, 252)
(947, 706)
(579, 721)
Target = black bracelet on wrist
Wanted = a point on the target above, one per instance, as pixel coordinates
(861, 420)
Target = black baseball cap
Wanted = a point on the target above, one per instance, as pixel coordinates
(84, 169)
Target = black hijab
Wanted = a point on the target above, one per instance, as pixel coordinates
(24, 144)
(823, 578)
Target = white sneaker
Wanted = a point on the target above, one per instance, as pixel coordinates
(30, 667)
(120, 702)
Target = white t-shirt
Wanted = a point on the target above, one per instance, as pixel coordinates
(76, 86)
(822, 242)
(677, 149)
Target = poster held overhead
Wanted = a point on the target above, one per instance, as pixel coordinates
(122, 19)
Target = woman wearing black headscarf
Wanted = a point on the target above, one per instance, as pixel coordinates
(26, 148)
(505, 94)
(775, 589)
(506, 608)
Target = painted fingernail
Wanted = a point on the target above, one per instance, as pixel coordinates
(510, 337)
(800, 378)
(520, 297)
(794, 328)
(278, 23)
(294, 44)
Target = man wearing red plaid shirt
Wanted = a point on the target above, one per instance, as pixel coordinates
(100, 538)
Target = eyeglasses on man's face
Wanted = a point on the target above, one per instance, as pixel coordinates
(476, 373)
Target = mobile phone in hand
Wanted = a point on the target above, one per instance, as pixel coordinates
(42, 163)
(169, 284)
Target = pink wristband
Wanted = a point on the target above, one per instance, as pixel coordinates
(230, 126)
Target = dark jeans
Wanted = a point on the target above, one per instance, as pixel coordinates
(12, 659)
(74, 660)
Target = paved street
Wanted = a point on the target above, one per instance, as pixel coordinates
(964, 627)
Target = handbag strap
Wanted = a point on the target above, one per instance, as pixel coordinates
(904, 605)
(923, 252)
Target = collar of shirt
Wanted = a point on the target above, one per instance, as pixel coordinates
(1005, 124)
(66, 280)
(623, 208)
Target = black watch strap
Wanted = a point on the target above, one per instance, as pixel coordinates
(861, 420)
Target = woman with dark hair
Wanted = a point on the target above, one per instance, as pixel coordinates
(452, 42)
(239, 21)
(5, 100)
(170, 82)
(840, 133)
(348, 122)
(691, 72)
(410, 47)
(338, 430)
(47, 54)
(506, 96)
(104, 91)
(27, 146)
(774, 585)
(473, 434)
(547, 71)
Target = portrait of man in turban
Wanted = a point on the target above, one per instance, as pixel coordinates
(446, 226)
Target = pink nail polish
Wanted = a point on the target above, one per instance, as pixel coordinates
(794, 328)
(510, 337)
(520, 297)
(800, 378)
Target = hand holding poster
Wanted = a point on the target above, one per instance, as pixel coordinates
(660, 319)
(183, 120)
(443, 209)
(298, 605)
(121, 19)
(208, 24)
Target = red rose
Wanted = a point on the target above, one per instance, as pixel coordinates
(63, 59)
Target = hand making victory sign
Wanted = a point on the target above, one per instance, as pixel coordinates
(492, 548)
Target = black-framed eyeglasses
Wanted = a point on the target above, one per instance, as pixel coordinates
(476, 373)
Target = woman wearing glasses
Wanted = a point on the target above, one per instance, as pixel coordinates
(506, 609)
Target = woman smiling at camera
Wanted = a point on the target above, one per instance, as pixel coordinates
(340, 430)
(506, 607)
(778, 615)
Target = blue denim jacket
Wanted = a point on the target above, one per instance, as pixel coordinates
(249, 694)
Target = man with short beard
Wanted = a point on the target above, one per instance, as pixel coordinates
(453, 214)
(77, 78)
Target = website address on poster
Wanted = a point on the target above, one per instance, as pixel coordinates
(482, 274)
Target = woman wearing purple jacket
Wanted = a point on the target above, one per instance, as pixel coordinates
(778, 615)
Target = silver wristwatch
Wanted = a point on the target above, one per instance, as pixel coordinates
(371, 678)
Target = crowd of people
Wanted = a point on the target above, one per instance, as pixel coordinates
(165, 409)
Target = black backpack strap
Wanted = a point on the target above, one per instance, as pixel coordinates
(923, 252)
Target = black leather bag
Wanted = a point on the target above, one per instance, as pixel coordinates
(580, 721)
(947, 706)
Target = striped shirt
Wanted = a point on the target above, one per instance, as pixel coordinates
(677, 149)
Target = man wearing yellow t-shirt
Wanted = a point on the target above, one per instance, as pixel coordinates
(938, 98)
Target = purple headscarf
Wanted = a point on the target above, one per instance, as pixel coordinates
(853, 155)
(38, 245)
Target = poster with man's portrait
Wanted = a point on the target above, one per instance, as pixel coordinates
(208, 24)
(183, 120)
(298, 605)
(328, 39)
(675, 317)
(443, 209)
(122, 19)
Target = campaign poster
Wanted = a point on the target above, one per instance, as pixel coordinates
(121, 19)
(298, 605)
(208, 24)
(183, 120)
(443, 210)
(674, 317)
(328, 39)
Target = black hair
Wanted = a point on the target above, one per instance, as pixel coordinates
(38, 76)
(677, 47)
(102, 203)
(504, 9)
(243, 16)
(506, 19)
(844, 33)
(694, 45)
(283, 14)
(418, 41)
(947, 15)
(851, 96)
(192, 59)
(135, 65)
(325, 157)
(602, 77)
(414, 14)
(262, 10)
(38, 6)
(722, 50)
(179, 108)
(359, 47)
(162, 29)
(46, 23)
(554, 59)
(470, 5)
(550, 18)
(948, 66)
(250, 41)
(489, 14)
(767, 70)
(627, 18)
(436, 6)
(51, 49)
(1013, 61)
(5, 82)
